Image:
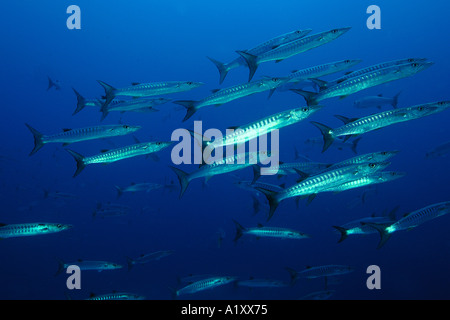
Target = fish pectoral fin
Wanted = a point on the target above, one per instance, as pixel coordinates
(343, 97)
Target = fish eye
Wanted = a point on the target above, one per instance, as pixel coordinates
(410, 60)
(415, 65)
(393, 173)
(384, 153)
(420, 108)
(305, 109)
(297, 32)
(189, 82)
(125, 126)
(334, 31)
(372, 165)
(441, 103)
(347, 61)
(59, 226)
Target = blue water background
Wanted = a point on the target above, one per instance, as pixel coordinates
(147, 41)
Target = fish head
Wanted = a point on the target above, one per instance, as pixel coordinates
(414, 67)
(335, 33)
(295, 35)
(371, 167)
(444, 208)
(193, 85)
(272, 82)
(427, 109)
(348, 63)
(54, 227)
(112, 266)
(158, 145)
(382, 155)
(390, 175)
(304, 112)
(124, 129)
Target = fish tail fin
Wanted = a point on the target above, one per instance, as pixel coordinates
(129, 263)
(355, 145)
(183, 178)
(293, 275)
(395, 100)
(119, 191)
(79, 160)
(222, 67)
(173, 293)
(50, 83)
(190, 105)
(239, 231)
(251, 61)
(104, 110)
(81, 102)
(310, 97)
(38, 139)
(327, 137)
(273, 200)
(381, 228)
(60, 266)
(109, 92)
(343, 232)
(256, 172)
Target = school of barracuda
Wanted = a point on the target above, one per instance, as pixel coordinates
(312, 177)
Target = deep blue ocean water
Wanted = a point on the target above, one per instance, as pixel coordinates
(148, 41)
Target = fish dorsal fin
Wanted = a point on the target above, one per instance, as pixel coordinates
(283, 185)
(233, 127)
(66, 129)
(104, 150)
(294, 71)
(345, 120)
(406, 214)
(251, 278)
(136, 140)
(348, 72)
(260, 225)
(279, 60)
(80, 260)
(135, 83)
(91, 295)
(373, 215)
(340, 80)
(391, 214)
(132, 183)
(302, 175)
(141, 255)
(380, 95)
(280, 162)
(3, 224)
(308, 267)
(214, 90)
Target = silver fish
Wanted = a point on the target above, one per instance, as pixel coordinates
(146, 258)
(30, 229)
(269, 232)
(376, 102)
(273, 43)
(80, 134)
(88, 265)
(354, 127)
(290, 49)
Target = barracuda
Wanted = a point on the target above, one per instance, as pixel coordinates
(248, 132)
(30, 229)
(222, 96)
(322, 70)
(376, 67)
(364, 81)
(228, 164)
(117, 154)
(146, 258)
(319, 272)
(261, 283)
(204, 284)
(290, 49)
(320, 182)
(116, 296)
(376, 178)
(381, 156)
(135, 105)
(147, 89)
(136, 187)
(273, 43)
(268, 232)
(88, 265)
(360, 227)
(81, 134)
(410, 220)
(363, 125)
